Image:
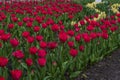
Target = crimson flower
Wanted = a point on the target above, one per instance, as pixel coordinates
(2, 78)
(20, 23)
(2, 31)
(63, 37)
(70, 44)
(113, 28)
(70, 32)
(38, 19)
(18, 54)
(25, 34)
(29, 24)
(55, 27)
(42, 53)
(3, 61)
(39, 37)
(90, 28)
(82, 22)
(10, 26)
(104, 35)
(81, 48)
(33, 50)
(44, 25)
(70, 16)
(36, 28)
(16, 74)
(30, 39)
(73, 52)
(29, 61)
(52, 45)
(42, 62)
(78, 37)
(14, 19)
(14, 42)
(86, 37)
(5, 37)
(93, 35)
(43, 44)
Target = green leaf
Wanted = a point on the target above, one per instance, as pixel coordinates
(118, 36)
(47, 78)
(24, 66)
(64, 66)
(74, 74)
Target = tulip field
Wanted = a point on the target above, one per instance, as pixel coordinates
(54, 39)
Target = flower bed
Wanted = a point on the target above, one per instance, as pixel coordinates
(50, 41)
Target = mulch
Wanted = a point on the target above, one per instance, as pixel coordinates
(107, 69)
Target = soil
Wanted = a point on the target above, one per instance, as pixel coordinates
(107, 69)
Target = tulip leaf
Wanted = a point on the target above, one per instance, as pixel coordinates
(74, 74)
(24, 66)
(119, 36)
(47, 78)
(64, 66)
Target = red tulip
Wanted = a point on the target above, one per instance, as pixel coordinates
(18, 54)
(33, 50)
(62, 27)
(78, 37)
(63, 37)
(93, 35)
(42, 53)
(86, 37)
(14, 42)
(104, 35)
(38, 19)
(11, 26)
(81, 48)
(82, 22)
(73, 52)
(71, 16)
(70, 32)
(36, 28)
(42, 62)
(90, 28)
(55, 27)
(43, 44)
(70, 44)
(14, 19)
(3, 61)
(26, 34)
(2, 32)
(2, 78)
(52, 45)
(29, 61)
(118, 20)
(16, 74)
(25, 19)
(30, 39)
(20, 23)
(113, 28)
(29, 24)
(118, 14)
(39, 38)
(5, 37)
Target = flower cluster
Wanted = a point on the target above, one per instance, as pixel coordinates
(45, 40)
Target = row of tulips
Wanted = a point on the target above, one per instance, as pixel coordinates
(38, 42)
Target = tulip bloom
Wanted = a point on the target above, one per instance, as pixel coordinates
(16, 74)
(42, 62)
(3, 61)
